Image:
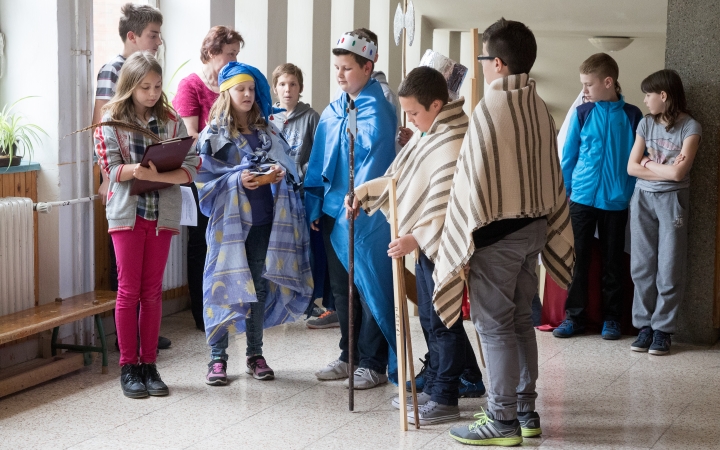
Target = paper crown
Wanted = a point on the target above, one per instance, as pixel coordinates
(358, 45)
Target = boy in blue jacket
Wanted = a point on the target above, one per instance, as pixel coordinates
(594, 165)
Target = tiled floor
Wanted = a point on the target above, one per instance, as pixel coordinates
(592, 394)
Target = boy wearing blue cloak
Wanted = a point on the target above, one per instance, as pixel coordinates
(326, 184)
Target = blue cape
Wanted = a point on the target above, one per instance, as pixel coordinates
(228, 289)
(326, 184)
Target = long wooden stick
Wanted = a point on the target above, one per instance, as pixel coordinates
(351, 271)
(408, 340)
(400, 331)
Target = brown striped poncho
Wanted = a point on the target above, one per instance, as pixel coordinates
(424, 171)
(508, 168)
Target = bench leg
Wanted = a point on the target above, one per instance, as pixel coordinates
(53, 349)
(103, 344)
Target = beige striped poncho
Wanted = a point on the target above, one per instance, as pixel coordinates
(508, 168)
(424, 170)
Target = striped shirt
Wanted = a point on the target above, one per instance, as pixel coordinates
(108, 77)
(508, 169)
(424, 171)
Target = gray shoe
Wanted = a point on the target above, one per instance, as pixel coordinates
(328, 319)
(530, 424)
(422, 398)
(336, 370)
(432, 412)
(487, 431)
(365, 378)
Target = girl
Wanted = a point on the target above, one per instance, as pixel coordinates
(257, 271)
(141, 226)
(665, 147)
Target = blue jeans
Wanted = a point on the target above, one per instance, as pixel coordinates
(256, 245)
(450, 354)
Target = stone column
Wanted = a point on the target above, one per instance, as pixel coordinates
(423, 40)
(693, 49)
(389, 61)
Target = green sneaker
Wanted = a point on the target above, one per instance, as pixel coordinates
(530, 424)
(486, 431)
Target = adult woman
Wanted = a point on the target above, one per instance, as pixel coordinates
(195, 96)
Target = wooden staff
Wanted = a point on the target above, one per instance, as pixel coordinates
(352, 131)
(477, 335)
(402, 321)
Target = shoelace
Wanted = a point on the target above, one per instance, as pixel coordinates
(361, 371)
(217, 368)
(659, 338)
(133, 376)
(261, 364)
(482, 420)
(325, 314)
(612, 325)
(152, 372)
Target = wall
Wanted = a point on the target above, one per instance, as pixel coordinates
(693, 49)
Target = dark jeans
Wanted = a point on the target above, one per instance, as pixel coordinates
(450, 353)
(611, 230)
(256, 246)
(196, 252)
(371, 347)
(318, 262)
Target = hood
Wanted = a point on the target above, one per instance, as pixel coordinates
(299, 110)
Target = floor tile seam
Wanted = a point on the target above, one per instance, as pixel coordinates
(670, 425)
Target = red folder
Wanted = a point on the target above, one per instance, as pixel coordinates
(167, 156)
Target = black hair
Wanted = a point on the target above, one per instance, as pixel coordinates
(667, 81)
(513, 43)
(426, 85)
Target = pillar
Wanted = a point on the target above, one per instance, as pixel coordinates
(263, 25)
(693, 49)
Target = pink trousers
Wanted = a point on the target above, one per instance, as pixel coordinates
(141, 256)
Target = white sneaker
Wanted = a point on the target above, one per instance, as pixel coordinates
(422, 398)
(365, 378)
(336, 370)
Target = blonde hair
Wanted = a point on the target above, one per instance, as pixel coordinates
(222, 110)
(135, 68)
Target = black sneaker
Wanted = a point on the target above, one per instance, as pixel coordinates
(163, 343)
(660, 344)
(643, 341)
(131, 381)
(529, 424)
(153, 382)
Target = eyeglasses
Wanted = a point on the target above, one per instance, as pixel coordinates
(490, 58)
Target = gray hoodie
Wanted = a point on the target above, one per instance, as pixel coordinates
(298, 129)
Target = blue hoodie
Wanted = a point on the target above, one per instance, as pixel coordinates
(596, 153)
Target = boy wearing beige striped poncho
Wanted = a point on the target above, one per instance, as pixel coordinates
(507, 205)
(424, 170)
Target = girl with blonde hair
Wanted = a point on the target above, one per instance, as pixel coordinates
(141, 226)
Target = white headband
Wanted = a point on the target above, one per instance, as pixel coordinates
(358, 45)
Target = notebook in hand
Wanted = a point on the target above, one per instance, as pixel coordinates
(167, 156)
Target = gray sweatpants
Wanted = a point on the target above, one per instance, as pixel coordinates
(502, 285)
(658, 256)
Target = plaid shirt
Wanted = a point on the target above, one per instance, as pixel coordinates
(108, 77)
(132, 148)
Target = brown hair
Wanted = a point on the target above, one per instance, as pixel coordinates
(215, 39)
(136, 18)
(602, 66)
(426, 85)
(361, 60)
(667, 81)
(513, 43)
(287, 69)
(223, 114)
(135, 68)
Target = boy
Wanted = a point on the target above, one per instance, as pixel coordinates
(506, 206)
(326, 183)
(297, 125)
(423, 170)
(139, 30)
(594, 164)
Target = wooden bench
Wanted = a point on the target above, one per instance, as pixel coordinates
(51, 316)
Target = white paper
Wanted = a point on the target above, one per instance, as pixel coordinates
(189, 208)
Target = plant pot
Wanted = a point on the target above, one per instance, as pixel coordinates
(5, 159)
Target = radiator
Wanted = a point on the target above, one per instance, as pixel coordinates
(17, 265)
(176, 267)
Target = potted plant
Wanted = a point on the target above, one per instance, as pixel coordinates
(16, 137)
